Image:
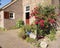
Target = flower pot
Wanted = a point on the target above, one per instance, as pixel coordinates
(32, 35)
(24, 37)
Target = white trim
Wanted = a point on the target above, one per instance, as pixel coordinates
(27, 11)
(25, 8)
(24, 11)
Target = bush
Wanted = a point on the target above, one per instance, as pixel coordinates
(51, 36)
(34, 28)
(38, 45)
(30, 40)
(19, 23)
(44, 23)
(45, 19)
(27, 28)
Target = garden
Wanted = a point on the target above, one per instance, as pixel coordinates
(43, 27)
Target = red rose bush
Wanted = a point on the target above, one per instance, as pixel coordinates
(45, 19)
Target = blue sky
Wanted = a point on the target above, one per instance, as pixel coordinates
(4, 2)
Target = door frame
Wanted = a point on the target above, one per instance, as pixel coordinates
(27, 12)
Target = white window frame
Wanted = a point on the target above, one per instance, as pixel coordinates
(28, 10)
(13, 15)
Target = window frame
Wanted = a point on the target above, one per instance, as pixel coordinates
(12, 15)
(26, 11)
(26, 8)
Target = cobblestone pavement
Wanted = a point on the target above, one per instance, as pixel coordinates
(55, 43)
(10, 39)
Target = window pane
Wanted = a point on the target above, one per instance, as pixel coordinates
(11, 15)
(27, 8)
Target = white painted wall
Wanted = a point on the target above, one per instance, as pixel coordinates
(2, 19)
(24, 18)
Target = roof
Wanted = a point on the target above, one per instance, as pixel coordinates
(13, 1)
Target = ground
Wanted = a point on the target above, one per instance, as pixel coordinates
(55, 43)
(10, 39)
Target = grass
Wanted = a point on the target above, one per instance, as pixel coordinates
(3, 29)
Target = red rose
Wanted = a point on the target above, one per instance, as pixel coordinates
(41, 22)
(51, 20)
(36, 22)
(42, 25)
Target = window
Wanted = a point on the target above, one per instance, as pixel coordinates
(9, 15)
(27, 8)
(27, 12)
(12, 15)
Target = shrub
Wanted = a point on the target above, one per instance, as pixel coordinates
(44, 23)
(27, 28)
(45, 19)
(19, 23)
(30, 40)
(33, 28)
(51, 36)
(38, 45)
(30, 28)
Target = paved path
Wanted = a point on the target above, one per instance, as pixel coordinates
(10, 39)
(55, 43)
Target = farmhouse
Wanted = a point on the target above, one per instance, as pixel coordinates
(20, 9)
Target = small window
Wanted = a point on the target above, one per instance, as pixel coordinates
(12, 16)
(27, 8)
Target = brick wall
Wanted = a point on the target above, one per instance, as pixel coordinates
(18, 10)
